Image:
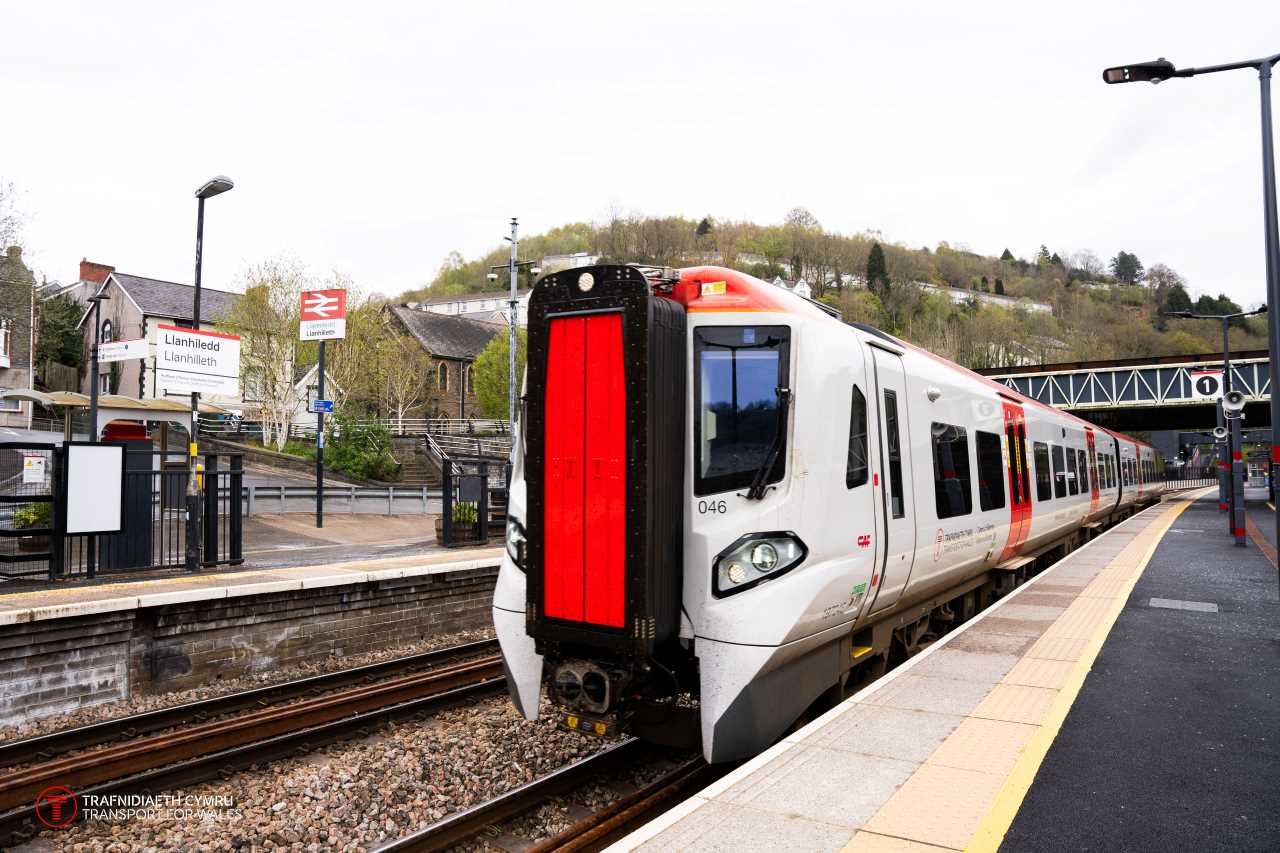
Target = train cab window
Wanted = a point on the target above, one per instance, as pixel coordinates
(952, 491)
(855, 473)
(894, 443)
(1073, 481)
(1082, 460)
(740, 373)
(990, 470)
(1059, 473)
(1044, 476)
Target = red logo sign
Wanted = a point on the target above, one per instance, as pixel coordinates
(56, 807)
(864, 541)
(324, 305)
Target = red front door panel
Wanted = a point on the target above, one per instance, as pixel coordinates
(585, 490)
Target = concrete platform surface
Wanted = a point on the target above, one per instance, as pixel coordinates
(68, 601)
(939, 754)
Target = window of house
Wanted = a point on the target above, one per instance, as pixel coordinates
(1044, 475)
(951, 488)
(107, 331)
(896, 506)
(1059, 473)
(990, 470)
(442, 376)
(4, 338)
(855, 473)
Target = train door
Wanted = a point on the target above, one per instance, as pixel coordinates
(899, 540)
(1015, 437)
(1093, 472)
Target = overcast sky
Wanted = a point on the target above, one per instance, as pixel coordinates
(373, 138)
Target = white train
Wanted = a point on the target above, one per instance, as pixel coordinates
(728, 508)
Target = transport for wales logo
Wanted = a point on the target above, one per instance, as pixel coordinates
(56, 807)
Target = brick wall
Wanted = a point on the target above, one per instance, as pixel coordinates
(53, 666)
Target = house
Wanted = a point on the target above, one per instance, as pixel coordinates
(17, 311)
(136, 307)
(452, 344)
(306, 390)
(490, 306)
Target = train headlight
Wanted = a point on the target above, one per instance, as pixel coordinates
(756, 558)
(516, 542)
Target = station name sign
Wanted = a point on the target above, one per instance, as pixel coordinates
(197, 360)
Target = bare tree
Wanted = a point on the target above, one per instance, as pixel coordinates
(406, 376)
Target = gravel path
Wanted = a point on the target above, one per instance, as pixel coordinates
(139, 704)
(356, 795)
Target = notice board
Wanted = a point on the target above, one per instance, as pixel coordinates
(95, 487)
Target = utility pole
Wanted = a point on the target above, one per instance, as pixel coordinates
(320, 444)
(512, 391)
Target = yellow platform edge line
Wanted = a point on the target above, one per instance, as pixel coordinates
(991, 831)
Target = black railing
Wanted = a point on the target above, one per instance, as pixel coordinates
(153, 535)
(474, 497)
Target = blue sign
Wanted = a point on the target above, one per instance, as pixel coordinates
(319, 406)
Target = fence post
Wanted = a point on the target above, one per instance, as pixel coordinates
(424, 500)
(252, 494)
(390, 499)
(446, 507)
(282, 488)
(482, 517)
(210, 509)
(236, 530)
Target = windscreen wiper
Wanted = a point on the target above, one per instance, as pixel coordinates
(757, 490)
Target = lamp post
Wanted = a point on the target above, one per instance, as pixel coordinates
(513, 269)
(214, 186)
(1231, 492)
(1162, 69)
(97, 299)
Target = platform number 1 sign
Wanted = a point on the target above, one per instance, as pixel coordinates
(1206, 384)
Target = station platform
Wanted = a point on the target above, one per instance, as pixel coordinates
(106, 595)
(1124, 699)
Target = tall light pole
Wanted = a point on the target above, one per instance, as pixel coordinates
(1162, 69)
(214, 186)
(513, 271)
(1231, 493)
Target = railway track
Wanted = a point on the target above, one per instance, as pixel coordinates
(590, 833)
(204, 749)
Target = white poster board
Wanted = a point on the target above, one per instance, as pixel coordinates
(95, 488)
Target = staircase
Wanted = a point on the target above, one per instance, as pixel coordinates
(416, 467)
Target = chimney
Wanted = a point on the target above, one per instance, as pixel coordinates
(90, 271)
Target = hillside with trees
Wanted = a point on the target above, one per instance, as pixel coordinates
(1101, 309)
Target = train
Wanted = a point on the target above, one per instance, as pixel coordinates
(728, 508)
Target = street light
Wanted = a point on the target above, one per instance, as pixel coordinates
(216, 185)
(97, 299)
(513, 268)
(1231, 488)
(1162, 69)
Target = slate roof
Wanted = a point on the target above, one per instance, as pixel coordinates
(170, 299)
(445, 336)
(503, 295)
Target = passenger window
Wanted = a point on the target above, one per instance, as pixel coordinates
(1059, 473)
(855, 473)
(1082, 459)
(1044, 477)
(895, 454)
(1022, 462)
(990, 471)
(951, 488)
(1073, 483)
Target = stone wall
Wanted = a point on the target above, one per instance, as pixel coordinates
(56, 665)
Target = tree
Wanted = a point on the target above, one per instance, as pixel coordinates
(1057, 261)
(704, 227)
(1043, 258)
(1006, 255)
(10, 216)
(1176, 299)
(1088, 264)
(58, 335)
(353, 362)
(877, 270)
(266, 319)
(491, 369)
(405, 374)
(1126, 268)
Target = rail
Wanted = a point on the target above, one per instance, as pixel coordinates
(479, 427)
(395, 500)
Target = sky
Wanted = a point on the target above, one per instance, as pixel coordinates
(374, 138)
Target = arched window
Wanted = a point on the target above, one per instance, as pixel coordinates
(107, 332)
(442, 376)
(471, 378)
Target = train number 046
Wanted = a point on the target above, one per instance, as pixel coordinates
(712, 507)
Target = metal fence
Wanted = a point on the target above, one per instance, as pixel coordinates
(154, 533)
(397, 426)
(474, 501)
(392, 500)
